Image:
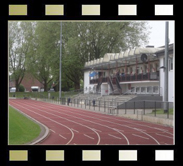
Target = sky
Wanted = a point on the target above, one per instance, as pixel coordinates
(157, 32)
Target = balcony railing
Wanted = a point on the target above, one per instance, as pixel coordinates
(128, 78)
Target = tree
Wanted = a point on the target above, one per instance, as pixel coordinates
(91, 40)
(44, 53)
(81, 42)
(18, 48)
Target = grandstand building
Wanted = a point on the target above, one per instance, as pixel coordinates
(137, 71)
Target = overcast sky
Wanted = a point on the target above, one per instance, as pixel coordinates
(157, 35)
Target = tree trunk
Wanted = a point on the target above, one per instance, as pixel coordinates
(45, 87)
(17, 85)
(76, 85)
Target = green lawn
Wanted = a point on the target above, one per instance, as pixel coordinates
(161, 111)
(21, 128)
(41, 94)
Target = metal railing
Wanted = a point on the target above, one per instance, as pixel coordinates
(113, 106)
(129, 77)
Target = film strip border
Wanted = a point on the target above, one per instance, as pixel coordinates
(90, 155)
(90, 10)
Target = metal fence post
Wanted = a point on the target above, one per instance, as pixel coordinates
(117, 108)
(155, 109)
(144, 107)
(89, 104)
(104, 106)
(168, 110)
(94, 106)
(134, 107)
(99, 105)
(85, 103)
(125, 107)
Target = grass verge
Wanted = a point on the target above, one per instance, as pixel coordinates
(21, 129)
(161, 111)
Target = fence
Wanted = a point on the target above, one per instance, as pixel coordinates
(114, 107)
(108, 106)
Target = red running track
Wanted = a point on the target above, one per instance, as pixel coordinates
(73, 126)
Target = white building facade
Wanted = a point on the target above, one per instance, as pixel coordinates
(135, 71)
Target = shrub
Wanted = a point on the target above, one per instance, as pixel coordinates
(21, 88)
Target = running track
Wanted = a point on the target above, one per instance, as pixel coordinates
(72, 126)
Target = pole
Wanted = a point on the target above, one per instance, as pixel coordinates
(166, 69)
(60, 60)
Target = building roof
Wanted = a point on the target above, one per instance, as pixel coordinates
(127, 55)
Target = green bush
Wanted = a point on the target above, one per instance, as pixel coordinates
(21, 88)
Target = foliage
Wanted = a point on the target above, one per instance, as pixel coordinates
(21, 88)
(39, 52)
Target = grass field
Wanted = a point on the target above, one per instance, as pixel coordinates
(161, 111)
(21, 129)
(42, 94)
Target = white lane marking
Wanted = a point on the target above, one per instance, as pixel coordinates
(163, 135)
(118, 129)
(62, 136)
(140, 136)
(89, 136)
(160, 129)
(50, 120)
(117, 124)
(114, 136)
(139, 129)
(82, 124)
(63, 118)
(147, 135)
(74, 144)
(52, 130)
(97, 130)
(74, 130)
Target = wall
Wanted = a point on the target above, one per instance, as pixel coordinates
(170, 82)
(86, 81)
(104, 89)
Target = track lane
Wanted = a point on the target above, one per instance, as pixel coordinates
(117, 124)
(149, 134)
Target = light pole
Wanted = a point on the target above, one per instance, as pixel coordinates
(60, 60)
(166, 70)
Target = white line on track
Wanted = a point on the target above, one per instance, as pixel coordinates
(159, 129)
(108, 121)
(163, 135)
(50, 120)
(89, 136)
(114, 136)
(77, 122)
(139, 129)
(123, 121)
(62, 136)
(74, 130)
(52, 130)
(119, 124)
(97, 130)
(118, 129)
(140, 136)
(61, 118)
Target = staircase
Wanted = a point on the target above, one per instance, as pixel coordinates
(99, 85)
(115, 86)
